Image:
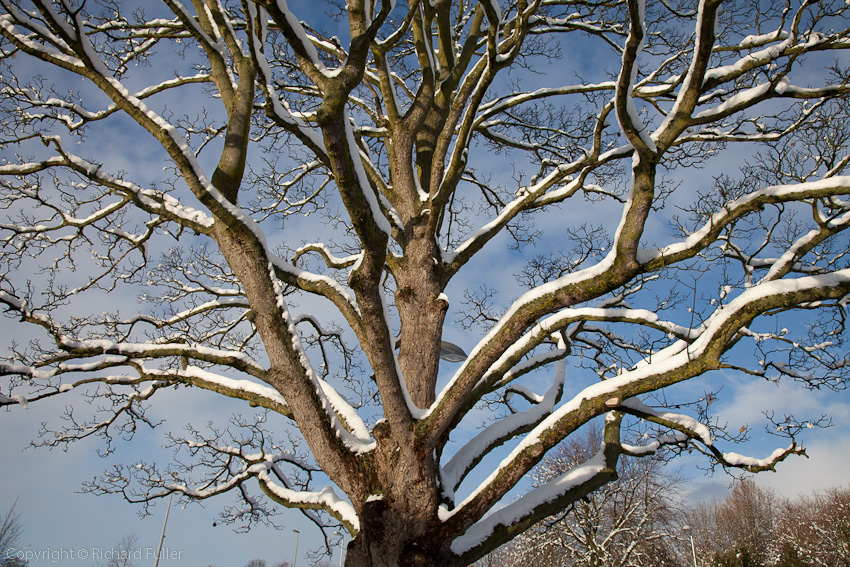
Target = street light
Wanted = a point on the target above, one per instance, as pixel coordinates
(341, 544)
(162, 536)
(690, 532)
(295, 559)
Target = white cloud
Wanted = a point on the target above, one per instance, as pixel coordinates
(827, 466)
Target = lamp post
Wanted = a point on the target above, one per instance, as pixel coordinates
(162, 536)
(690, 532)
(295, 558)
(341, 546)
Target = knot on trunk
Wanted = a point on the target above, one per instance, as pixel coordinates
(413, 555)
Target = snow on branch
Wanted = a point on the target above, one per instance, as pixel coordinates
(506, 428)
(567, 317)
(263, 467)
(504, 103)
(258, 395)
(673, 420)
(153, 202)
(330, 260)
(104, 354)
(326, 500)
(74, 116)
(54, 50)
(276, 108)
(321, 285)
(568, 486)
(580, 479)
(688, 428)
(630, 121)
(699, 239)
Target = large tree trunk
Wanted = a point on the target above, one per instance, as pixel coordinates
(390, 539)
(399, 523)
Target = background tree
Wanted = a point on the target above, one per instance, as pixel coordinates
(740, 528)
(755, 526)
(125, 552)
(815, 529)
(11, 532)
(398, 122)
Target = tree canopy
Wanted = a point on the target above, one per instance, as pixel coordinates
(299, 198)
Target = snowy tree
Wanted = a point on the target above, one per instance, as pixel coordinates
(755, 526)
(440, 142)
(815, 529)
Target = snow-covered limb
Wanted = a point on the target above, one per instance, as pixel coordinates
(631, 123)
(258, 395)
(325, 499)
(531, 363)
(331, 260)
(205, 31)
(265, 468)
(349, 417)
(493, 436)
(777, 88)
(106, 354)
(790, 260)
(98, 347)
(692, 84)
(204, 308)
(700, 79)
(276, 108)
(754, 465)
(569, 486)
(565, 318)
(153, 202)
(355, 157)
(500, 105)
(321, 285)
(673, 420)
(74, 116)
(784, 45)
(750, 130)
(14, 399)
(699, 239)
(690, 429)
